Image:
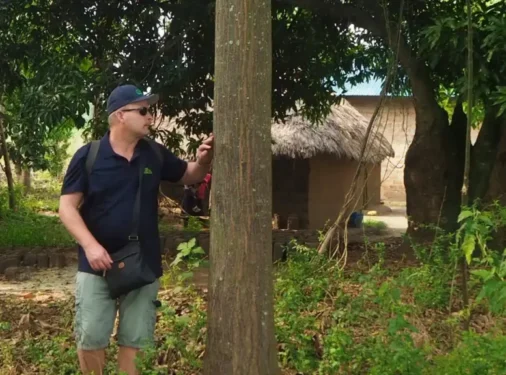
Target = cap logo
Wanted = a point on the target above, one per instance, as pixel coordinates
(138, 92)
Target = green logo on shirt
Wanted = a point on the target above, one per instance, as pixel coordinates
(147, 171)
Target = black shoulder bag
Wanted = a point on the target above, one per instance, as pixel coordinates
(129, 270)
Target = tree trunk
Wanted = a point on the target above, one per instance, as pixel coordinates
(27, 179)
(19, 172)
(496, 189)
(497, 182)
(484, 153)
(433, 172)
(241, 338)
(8, 171)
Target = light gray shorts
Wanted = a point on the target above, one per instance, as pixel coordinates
(96, 314)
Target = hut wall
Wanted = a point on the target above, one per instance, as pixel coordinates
(290, 189)
(373, 185)
(329, 182)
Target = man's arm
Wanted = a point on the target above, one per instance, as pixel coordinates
(72, 220)
(97, 256)
(188, 173)
(74, 185)
(195, 173)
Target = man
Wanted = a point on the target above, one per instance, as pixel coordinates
(102, 223)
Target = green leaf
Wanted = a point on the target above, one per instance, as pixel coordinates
(178, 259)
(464, 215)
(484, 275)
(186, 250)
(468, 246)
(198, 250)
(192, 242)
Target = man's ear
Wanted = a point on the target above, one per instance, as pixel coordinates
(120, 115)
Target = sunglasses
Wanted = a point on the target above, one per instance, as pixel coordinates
(143, 111)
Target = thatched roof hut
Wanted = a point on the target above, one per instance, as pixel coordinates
(341, 133)
(314, 165)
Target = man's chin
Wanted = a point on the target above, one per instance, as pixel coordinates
(144, 131)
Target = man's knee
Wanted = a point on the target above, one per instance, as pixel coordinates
(137, 317)
(95, 313)
(93, 334)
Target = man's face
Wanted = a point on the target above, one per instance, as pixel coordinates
(137, 118)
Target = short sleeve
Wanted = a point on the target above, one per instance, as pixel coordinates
(173, 168)
(75, 180)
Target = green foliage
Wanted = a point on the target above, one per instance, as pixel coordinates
(52, 356)
(445, 36)
(475, 233)
(33, 230)
(328, 322)
(35, 222)
(476, 355)
(375, 225)
(194, 224)
(189, 252)
(185, 334)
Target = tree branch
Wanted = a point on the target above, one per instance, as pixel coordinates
(419, 76)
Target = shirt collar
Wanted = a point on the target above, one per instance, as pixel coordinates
(105, 145)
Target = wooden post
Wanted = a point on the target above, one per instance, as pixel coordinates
(241, 337)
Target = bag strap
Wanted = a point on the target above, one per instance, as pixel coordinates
(92, 156)
(134, 235)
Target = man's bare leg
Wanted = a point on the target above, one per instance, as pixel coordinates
(92, 361)
(126, 360)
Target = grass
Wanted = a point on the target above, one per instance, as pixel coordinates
(35, 222)
(32, 230)
(381, 315)
(375, 226)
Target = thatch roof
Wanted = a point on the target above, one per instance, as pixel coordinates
(341, 134)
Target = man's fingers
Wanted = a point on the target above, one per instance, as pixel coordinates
(108, 257)
(102, 265)
(106, 263)
(94, 265)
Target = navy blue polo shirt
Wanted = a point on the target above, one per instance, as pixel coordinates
(109, 196)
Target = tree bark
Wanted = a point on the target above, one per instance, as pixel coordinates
(19, 172)
(27, 179)
(484, 153)
(8, 170)
(241, 338)
(497, 181)
(496, 190)
(432, 175)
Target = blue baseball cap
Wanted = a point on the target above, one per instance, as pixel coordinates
(127, 94)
